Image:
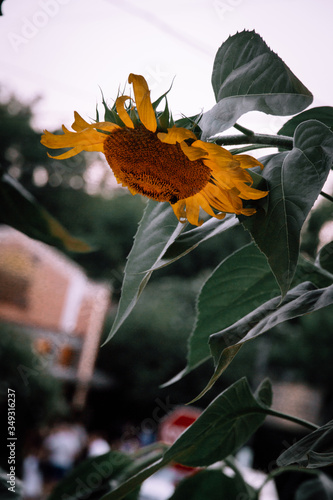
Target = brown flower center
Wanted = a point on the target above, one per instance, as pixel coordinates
(140, 161)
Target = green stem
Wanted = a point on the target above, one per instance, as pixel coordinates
(291, 418)
(281, 470)
(230, 462)
(123, 489)
(244, 130)
(239, 151)
(271, 140)
(327, 196)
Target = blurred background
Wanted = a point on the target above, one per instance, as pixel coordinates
(56, 308)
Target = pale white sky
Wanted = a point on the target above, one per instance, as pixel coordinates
(64, 50)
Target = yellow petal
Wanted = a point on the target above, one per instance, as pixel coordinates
(179, 210)
(123, 115)
(71, 139)
(143, 103)
(214, 150)
(204, 203)
(68, 154)
(193, 211)
(85, 137)
(247, 161)
(75, 151)
(176, 134)
(223, 200)
(249, 193)
(81, 124)
(191, 152)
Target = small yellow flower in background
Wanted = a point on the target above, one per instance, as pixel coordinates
(167, 164)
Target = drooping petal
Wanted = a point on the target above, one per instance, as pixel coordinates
(176, 134)
(222, 200)
(75, 151)
(179, 210)
(247, 161)
(205, 205)
(193, 211)
(192, 153)
(123, 115)
(80, 124)
(90, 138)
(213, 149)
(143, 103)
(249, 193)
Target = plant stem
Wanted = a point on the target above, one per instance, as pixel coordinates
(291, 418)
(327, 196)
(230, 462)
(238, 151)
(244, 130)
(252, 138)
(281, 470)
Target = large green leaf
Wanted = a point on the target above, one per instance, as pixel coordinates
(323, 114)
(213, 485)
(313, 451)
(303, 299)
(248, 76)
(236, 287)
(320, 488)
(19, 209)
(242, 282)
(189, 240)
(225, 425)
(295, 180)
(158, 229)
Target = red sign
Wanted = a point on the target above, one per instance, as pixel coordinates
(177, 422)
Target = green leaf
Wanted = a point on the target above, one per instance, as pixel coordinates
(226, 424)
(320, 488)
(212, 485)
(158, 229)
(19, 209)
(242, 282)
(6, 494)
(302, 299)
(189, 240)
(295, 180)
(122, 489)
(221, 429)
(248, 76)
(313, 451)
(92, 477)
(326, 257)
(308, 271)
(323, 114)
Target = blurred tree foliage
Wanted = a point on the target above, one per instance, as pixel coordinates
(38, 394)
(21, 153)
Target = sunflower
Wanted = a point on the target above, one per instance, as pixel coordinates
(151, 156)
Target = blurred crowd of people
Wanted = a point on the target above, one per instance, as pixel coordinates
(53, 452)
